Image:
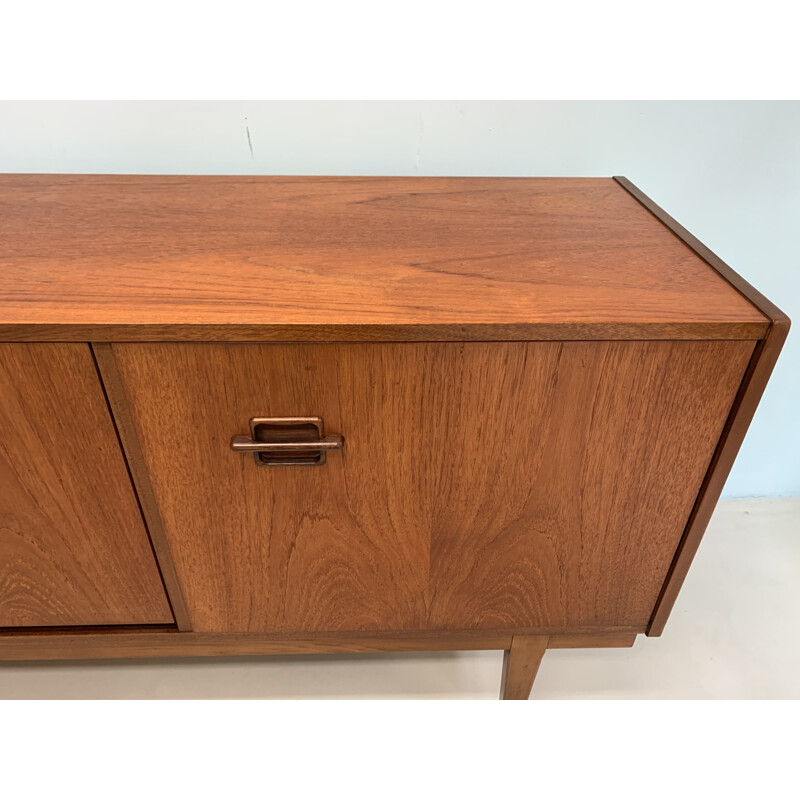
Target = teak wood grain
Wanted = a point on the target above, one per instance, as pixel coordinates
(554, 382)
(165, 644)
(487, 486)
(126, 258)
(73, 549)
(118, 403)
(744, 407)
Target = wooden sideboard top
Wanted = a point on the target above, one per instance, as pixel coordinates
(134, 257)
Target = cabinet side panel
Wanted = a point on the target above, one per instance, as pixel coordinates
(752, 387)
(744, 407)
(73, 548)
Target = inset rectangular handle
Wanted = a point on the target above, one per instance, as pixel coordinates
(287, 441)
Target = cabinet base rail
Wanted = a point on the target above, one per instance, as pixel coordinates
(523, 653)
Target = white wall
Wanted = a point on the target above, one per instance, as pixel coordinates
(728, 171)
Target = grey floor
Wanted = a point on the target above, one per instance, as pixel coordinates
(733, 634)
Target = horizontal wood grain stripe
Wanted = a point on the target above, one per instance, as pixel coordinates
(611, 331)
(578, 640)
(142, 644)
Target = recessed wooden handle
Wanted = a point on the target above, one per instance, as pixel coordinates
(287, 441)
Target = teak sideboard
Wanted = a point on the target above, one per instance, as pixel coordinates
(256, 415)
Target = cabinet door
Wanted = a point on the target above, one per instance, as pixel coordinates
(73, 547)
(507, 485)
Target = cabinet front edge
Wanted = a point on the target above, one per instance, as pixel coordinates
(357, 333)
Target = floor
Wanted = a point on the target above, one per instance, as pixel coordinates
(734, 633)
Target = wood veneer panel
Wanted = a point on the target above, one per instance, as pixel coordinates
(747, 400)
(742, 413)
(260, 258)
(73, 549)
(481, 486)
(118, 402)
(578, 521)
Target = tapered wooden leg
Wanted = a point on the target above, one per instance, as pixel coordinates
(520, 665)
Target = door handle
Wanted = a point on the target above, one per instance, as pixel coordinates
(287, 441)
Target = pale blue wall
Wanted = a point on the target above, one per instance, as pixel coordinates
(729, 171)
